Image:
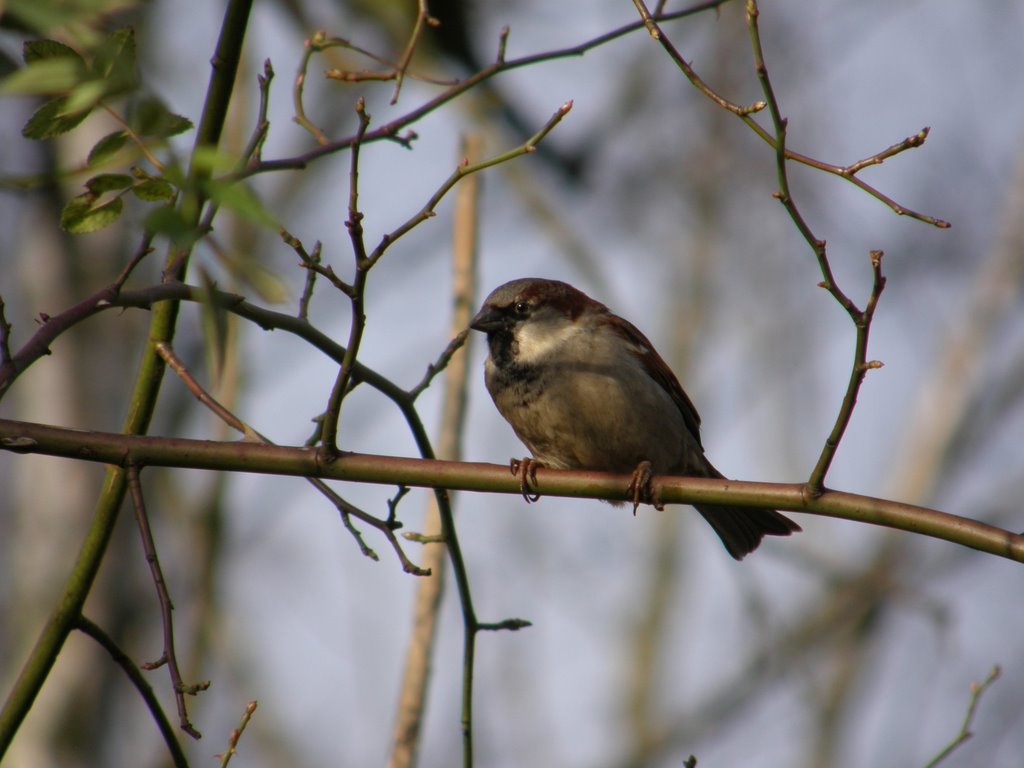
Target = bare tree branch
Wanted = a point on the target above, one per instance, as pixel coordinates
(122, 450)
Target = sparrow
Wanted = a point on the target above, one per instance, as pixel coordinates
(584, 389)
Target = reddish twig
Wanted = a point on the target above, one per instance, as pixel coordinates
(236, 734)
(848, 172)
(346, 509)
(123, 660)
(391, 131)
(423, 19)
(169, 656)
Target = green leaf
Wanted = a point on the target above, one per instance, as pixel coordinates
(175, 124)
(38, 50)
(108, 182)
(46, 15)
(153, 190)
(114, 62)
(106, 148)
(214, 322)
(45, 76)
(52, 119)
(152, 118)
(85, 96)
(167, 220)
(79, 217)
(270, 287)
(238, 198)
(213, 160)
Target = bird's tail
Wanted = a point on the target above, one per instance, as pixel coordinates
(742, 528)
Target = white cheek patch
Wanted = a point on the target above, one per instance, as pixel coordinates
(537, 339)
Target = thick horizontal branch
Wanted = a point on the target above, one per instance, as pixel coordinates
(122, 450)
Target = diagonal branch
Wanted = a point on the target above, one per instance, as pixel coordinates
(346, 509)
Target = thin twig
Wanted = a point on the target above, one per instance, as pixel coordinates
(861, 366)
(236, 734)
(391, 131)
(137, 679)
(254, 148)
(153, 296)
(746, 114)
(461, 171)
(346, 509)
(861, 319)
(169, 656)
(440, 364)
(5, 336)
(312, 45)
(438, 525)
(354, 225)
(144, 249)
(655, 32)
(364, 75)
(977, 689)
(12, 365)
(423, 20)
(164, 350)
(314, 260)
(135, 138)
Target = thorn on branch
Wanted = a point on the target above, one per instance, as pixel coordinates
(502, 43)
(400, 494)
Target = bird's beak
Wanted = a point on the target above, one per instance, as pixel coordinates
(488, 319)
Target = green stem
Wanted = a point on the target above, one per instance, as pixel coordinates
(67, 614)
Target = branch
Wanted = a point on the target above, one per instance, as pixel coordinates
(12, 365)
(66, 613)
(423, 19)
(655, 32)
(346, 509)
(354, 225)
(236, 734)
(439, 528)
(390, 131)
(137, 679)
(463, 170)
(965, 729)
(169, 655)
(147, 298)
(847, 172)
(122, 450)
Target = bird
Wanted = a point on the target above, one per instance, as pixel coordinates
(583, 388)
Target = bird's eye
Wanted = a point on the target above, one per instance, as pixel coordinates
(520, 307)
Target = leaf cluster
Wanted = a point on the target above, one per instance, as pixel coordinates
(78, 84)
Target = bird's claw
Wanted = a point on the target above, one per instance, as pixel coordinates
(640, 487)
(526, 470)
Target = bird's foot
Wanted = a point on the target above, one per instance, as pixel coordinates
(640, 487)
(526, 470)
